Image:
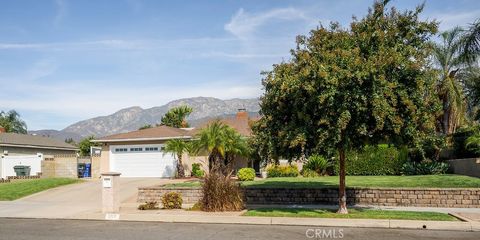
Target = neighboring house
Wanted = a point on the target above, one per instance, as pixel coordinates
(140, 153)
(24, 144)
(23, 149)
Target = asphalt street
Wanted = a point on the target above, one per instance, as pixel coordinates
(43, 229)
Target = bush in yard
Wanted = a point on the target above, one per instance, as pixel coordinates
(282, 171)
(196, 171)
(172, 200)
(221, 193)
(318, 164)
(246, 174)
(308, 173)
(424, 168)
(148, 206)
(375, 160)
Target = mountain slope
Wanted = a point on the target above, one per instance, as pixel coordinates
(132, 118)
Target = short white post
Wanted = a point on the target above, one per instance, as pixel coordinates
(111, 195)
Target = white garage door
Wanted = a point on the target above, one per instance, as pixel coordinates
(141, 161)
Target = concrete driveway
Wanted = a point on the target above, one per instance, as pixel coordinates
(73, 200)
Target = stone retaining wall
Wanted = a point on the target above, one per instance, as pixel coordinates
(154, 194)
(429, 197)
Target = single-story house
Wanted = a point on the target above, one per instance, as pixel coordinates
(140, 153)
(29, 150)
(23, 144)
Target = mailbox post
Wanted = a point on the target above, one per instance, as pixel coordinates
(111, 194)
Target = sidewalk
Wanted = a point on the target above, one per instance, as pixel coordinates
(128, 213)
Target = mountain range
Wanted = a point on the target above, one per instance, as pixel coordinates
(132, 118)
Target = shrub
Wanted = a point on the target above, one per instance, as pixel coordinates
(282, 171)
(473, 143)
(221, 193)
(196, 207)
(375, 160)
(308, 173)
(148, 206)
(424, 168)
(318, 164)
(172, 200)
(196, 171)
(459, 138)
(246, 174)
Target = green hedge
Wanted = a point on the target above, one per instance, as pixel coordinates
(282, 171)
(375, 160)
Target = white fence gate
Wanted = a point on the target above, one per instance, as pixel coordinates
(8, 162)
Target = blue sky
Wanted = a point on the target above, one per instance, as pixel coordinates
(62, 61)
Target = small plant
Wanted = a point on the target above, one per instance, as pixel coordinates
(148, 206)
(221, 193)
(282, 171)
(309, 173)
(424, 168)
(246, 174)
(318, 164)
(473, 143)
(196, 171)
(196, 207)
(172, 200)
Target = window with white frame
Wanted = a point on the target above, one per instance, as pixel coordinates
(151, 149)
(136, 149)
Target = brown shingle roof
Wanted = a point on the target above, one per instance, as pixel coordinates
(24, 140)
(155, 133)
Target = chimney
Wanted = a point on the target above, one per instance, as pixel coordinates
(2, 130)
(242, 114)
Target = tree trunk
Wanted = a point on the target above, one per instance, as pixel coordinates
(180, 169)
(342, 196)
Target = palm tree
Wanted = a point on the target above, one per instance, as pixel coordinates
(471, 42)
(448, 58)
(175, 117)
(178, 147)
(12, 122)
(222, 143)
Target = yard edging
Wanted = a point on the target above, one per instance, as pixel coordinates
(418, 197)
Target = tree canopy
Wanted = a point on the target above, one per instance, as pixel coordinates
(344, 88)
(12, 122)
(85, 145)
(176, 117)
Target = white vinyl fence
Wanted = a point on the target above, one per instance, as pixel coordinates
(8, 162)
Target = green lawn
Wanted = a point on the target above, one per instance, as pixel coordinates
(188, 184)
(421, 181)
(353, 213)
(21, 188)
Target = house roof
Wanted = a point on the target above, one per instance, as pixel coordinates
(33, 141)
(154, 133)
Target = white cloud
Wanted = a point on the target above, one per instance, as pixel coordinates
(244, 24)
(61, 11)
(449, 20)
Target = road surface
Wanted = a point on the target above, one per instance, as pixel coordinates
(44, 229)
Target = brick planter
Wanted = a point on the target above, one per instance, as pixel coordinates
(418, 197)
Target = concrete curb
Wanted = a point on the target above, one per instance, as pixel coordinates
(318, 222)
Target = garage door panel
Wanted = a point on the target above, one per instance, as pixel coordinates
(141, 163)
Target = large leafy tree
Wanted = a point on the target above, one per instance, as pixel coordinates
(178, 147)
(85, 144)
(12, 122)
(176, 117)
(344, 88)
(222, 143)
